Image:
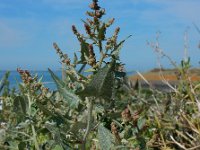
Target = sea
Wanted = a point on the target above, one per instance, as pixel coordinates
(14, 78)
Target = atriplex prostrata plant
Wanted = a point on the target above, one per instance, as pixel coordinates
(82, 104)
(95, 107)
(92, 98)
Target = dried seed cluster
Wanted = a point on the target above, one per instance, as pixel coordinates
(64, 57)
(92, 58)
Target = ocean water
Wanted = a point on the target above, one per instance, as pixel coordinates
(14, 78)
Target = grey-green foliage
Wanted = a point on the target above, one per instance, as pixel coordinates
(4, 83)
(101, 85)
(71, 98)
(105, 138)
(20, 105)
(84, 51)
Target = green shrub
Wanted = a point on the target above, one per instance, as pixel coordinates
(100, 110)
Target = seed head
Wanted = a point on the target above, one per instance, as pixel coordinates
(110, 22)
(117, 30)
(74, 29)
(126, 115)
(91, 50)
(94, 6)
(90, 21)
(87, 28)
(91, 14)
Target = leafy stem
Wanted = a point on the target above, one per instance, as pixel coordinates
(89, 120)
(35, 138)
(32, 126)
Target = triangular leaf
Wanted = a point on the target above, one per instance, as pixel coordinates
(54, 131)
(71, 98)
(101, 85)
(58, 82)
(19, 104)
(57, 147)
(105, 138)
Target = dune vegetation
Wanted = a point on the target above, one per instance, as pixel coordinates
(102, 110)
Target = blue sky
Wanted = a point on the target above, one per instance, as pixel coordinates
(29, 27)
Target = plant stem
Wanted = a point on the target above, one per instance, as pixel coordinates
(63, 71)
(89, 120)
(35, 138)
(32, 126)
(82, 67)
(102, 53)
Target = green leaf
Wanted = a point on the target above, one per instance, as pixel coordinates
(75, 59)
(71, 98)
(19, 104)
(58, 82)
(106, 139)
(77, 126)
(84, 51)
(22, 145)
(57, 147)
(4, 80)
(2, 135)
(101, 85)
(141, 122)
(102, 32)
(54, 131)
(90, 70)
(119, 74)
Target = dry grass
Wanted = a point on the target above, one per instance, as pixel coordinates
(169, 75)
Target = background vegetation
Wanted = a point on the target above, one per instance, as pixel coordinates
(102, 110)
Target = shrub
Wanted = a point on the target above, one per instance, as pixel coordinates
(100, 110)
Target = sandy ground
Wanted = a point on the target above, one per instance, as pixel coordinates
(156, 80)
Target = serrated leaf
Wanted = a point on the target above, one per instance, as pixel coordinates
(71, 98)
(101, 85)
(106, 139)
